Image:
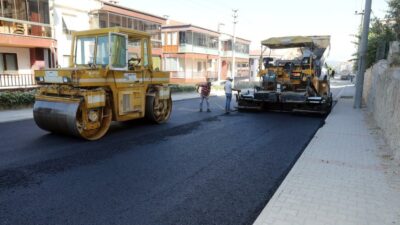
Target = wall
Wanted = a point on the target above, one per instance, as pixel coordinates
(80, 14)
(382, 97)
(24, 64)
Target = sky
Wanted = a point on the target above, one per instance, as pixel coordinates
(262, 19)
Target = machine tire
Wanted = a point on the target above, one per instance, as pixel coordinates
(98, 133)
(66, 118)
(158, 111)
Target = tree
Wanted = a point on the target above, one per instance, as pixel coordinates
(379, 38)
(394, 16)
(381, 33)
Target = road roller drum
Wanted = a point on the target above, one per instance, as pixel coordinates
(58, 117)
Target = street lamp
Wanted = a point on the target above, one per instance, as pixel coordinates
(219, 49)
(235, 16)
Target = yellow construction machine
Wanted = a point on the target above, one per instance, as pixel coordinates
(110, 78)
(294, 78)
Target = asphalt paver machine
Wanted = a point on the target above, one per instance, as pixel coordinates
(293, 79)
(110, 78)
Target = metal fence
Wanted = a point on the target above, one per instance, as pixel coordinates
(17, 81)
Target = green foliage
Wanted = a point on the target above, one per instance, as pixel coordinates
(17, 98)
(379, 38)
(381, 33)
(394, 16)
(182, 88)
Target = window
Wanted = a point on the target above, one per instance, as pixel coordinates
(174, 38)
(182, 37)
(213, 42)
(124, 22)
(169, 39)
(8, 62)
(44, 11)
(145, 54)
(102, 53)
(85, 50)
(33, 10)
(185, 37)
(8, 9)
(22, 12)
(134, 51)
(115, 20)
(199, 66)
(29, 10)
(171, 64)
(118, 51)
(242, 48)
(103, 20)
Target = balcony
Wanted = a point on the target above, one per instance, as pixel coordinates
(188, 48)
(25, 28)
(14, 81)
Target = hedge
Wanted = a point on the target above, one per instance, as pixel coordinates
(182, 88)
(16, 98)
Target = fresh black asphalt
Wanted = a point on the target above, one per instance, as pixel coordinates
(199, 168)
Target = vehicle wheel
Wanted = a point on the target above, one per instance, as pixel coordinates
(103, 116)
(158, 110)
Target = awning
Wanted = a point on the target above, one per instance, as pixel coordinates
(71, 22)
(288, 42)
(297, 41)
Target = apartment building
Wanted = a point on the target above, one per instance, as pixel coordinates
(92, 14)
(194, 54)
(26, 41)
(241, 55)
(190, 52)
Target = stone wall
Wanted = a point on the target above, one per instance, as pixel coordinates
(382, 97)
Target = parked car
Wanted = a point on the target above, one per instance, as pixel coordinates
(345, 77)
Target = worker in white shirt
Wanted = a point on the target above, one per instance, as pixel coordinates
(228, 93)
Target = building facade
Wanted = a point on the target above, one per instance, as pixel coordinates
(26, 41)
(241, 54)
(194, 54)
(93, 14)
(190, 52)
(254, 62)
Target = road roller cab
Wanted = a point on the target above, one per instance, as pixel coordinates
(111, 77)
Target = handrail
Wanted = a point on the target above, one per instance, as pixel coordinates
(8, 80)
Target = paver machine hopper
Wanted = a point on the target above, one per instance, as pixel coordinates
(293, 79)
(110, 78)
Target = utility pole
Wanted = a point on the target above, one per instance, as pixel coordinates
(233, 67)
(359, 38)
(219, 50)
(362, 57)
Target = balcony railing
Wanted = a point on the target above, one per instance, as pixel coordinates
(9, 81)
(21, 27)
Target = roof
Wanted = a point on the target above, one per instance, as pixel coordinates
(122, 30)
(297, 41)
(173, 24)
(131, 12)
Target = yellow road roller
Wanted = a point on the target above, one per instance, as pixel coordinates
(110, 78)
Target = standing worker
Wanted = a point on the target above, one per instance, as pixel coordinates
(228, 93)
(204, 94)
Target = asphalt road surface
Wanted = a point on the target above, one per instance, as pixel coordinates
(199, 168)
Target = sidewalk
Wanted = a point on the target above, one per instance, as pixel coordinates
(344, 176)
(22, 114)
